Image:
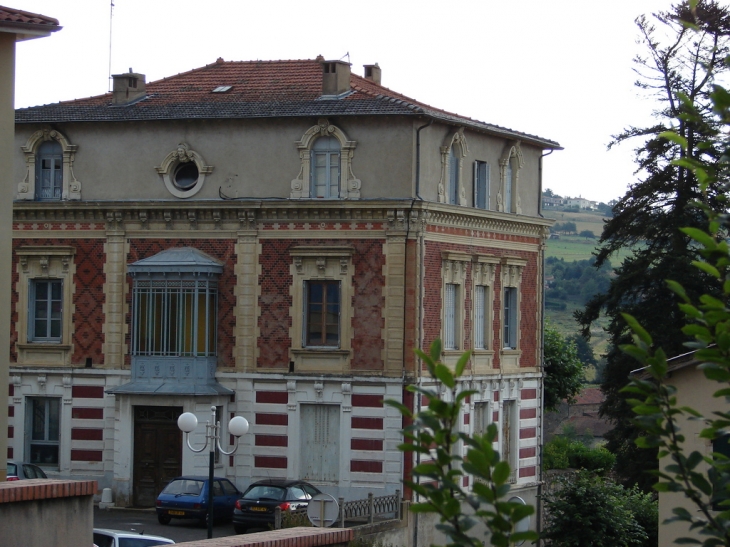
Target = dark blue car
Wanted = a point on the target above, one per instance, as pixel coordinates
(187, 498)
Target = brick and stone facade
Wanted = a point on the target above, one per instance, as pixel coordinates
(389, 243)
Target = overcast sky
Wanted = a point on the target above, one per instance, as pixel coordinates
(560, 69)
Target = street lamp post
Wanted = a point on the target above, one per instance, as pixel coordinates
(187, 422)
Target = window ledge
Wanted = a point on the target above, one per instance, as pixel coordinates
(321, 360)
(53, 346)
(324, 351)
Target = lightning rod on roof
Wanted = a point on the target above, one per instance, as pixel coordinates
(111, 16)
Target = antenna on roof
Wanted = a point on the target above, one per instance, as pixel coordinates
(346, 55)
(111, 16)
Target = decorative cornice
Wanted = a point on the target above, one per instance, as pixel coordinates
(393, 216)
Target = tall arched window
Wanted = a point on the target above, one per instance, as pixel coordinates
(325, 164)
(49, 171)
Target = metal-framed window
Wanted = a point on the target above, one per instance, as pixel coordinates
(322, 313)
(451, 315)
(325, 167)
(481, 184)
(510, 318)
(175, 317)
(45, 308)
(49, 171)
(43, 421)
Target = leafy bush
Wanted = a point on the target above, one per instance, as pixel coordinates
(598, 460)
(564, 452)
(590, 511)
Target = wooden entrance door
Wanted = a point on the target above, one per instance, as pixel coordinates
(157, 452)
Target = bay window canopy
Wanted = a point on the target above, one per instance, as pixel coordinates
(174, 324)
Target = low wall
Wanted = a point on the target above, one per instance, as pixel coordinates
(43, 512)
(288, 537)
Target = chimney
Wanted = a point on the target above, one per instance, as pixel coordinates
(335, 77)
(128, 88)
(372, 73)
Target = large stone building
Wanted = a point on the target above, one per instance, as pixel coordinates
(273, 239)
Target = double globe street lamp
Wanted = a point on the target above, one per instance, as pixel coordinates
(187, 422)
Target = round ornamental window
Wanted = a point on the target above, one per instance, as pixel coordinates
(186, 175)
(183, 170)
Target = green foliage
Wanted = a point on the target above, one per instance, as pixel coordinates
(438, 479)
(578, 280)
(562, 452)
(565, 227)
(588, 234)
(703, 479)
(564, 374)
(590, 511)
(678, 70)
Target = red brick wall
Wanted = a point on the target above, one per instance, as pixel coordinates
(528, 301)
(220, 249)
(275, 301)
(88, 297)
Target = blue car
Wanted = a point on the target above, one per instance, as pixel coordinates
(187, 498)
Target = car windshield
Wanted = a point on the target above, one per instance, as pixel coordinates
(264, 492)
(184, 487)
(12, 469)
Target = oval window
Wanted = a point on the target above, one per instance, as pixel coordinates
(186, 175)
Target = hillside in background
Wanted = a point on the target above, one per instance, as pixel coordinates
(571, 278)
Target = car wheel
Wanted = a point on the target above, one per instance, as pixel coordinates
(164, 519)
(205, 519)
(240, 529)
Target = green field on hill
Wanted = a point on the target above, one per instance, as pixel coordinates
(572, 248)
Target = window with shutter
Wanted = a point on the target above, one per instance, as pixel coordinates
(481, 184)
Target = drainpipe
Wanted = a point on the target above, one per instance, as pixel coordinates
(418, 158)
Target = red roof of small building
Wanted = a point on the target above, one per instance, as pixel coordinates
(590, 396)
(257, 89)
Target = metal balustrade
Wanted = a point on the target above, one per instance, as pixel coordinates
(364, 510)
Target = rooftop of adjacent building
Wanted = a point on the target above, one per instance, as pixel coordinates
(255, 89)
(26, 25)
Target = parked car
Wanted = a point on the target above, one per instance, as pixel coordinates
(104, 537)
(21, 470)
(187, 498)
(255, 509)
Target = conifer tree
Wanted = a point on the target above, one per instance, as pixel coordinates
(677, 69)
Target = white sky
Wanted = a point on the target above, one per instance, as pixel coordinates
(560, 69)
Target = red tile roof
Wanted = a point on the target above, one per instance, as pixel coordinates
(258, 89)
(590, 396)
(11, 16)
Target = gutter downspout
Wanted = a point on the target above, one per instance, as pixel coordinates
(419, 300)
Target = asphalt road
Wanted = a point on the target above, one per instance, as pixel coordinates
(145, 521)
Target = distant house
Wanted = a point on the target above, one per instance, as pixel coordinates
(552, 202)
(581, 417)
(581, 203)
